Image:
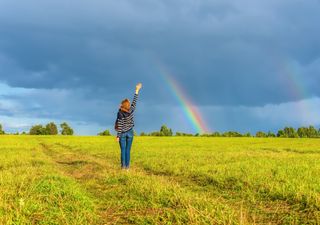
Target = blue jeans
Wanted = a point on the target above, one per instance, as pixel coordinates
(125, 141)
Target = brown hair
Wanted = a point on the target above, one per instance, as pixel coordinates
(125, 105)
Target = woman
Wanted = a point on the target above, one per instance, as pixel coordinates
(124, 127)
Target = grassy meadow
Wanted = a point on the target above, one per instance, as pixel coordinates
(172, 180)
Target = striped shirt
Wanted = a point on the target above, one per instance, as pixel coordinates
(125, 119)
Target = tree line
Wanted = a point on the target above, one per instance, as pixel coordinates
(48, 129)
(287, 132)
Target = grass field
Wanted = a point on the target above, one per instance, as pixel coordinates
(186, 180)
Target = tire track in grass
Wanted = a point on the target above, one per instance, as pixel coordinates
(34, 192)
(138, 197)
(80, 168)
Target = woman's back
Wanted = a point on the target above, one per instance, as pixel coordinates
(125, 124)
(125, 118)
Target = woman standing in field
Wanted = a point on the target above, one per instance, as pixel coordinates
(124, 127)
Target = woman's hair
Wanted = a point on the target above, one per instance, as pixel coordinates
(125, 105)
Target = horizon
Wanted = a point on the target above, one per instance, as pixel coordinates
(227, 133)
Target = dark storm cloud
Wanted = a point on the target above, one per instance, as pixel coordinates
(214, 48)
(80, 58)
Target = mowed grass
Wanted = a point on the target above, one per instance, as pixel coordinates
(172, 180)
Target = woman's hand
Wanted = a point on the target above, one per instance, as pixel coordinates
(138, 87)
(117, 139)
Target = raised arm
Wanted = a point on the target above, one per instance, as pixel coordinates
(135, 97)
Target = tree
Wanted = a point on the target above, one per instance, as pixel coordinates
(165, 131)
(302, 132)
(155, 133)
(312, 132)
(66, 129)
(261, 134)
(280, 133)
(271, 134)
(290, 132)
(216, 134)
(51, 129)
(185, 134)
(231, 134)
(37, 130)
(105, 133)
(1, 130)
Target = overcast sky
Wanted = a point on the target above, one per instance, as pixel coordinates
(247, 65)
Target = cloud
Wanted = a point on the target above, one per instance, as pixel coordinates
(22, 108)
(222, 49)
(23, 124)
(21, 111)
(268, 117)
(78, 59)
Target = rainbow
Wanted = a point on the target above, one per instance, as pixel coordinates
(295, 81)
(296, 87)
(190, 110)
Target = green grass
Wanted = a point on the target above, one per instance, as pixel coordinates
(172, 180)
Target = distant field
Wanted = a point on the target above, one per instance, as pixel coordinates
(173, 180)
